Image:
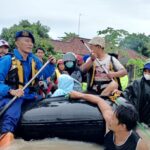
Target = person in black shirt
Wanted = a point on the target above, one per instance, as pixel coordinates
(119, 123)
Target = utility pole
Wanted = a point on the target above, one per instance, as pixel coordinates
(79, 25)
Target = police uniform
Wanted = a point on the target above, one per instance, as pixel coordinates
(11, 117)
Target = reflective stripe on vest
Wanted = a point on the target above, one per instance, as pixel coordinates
(17, 64)
(112, 69)
(93, 74)
(57, 73)
(34, 70)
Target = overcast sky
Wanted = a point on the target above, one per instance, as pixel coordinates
(63, 15)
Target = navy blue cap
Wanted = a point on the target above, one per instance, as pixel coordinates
(147, 66)
(24, 33)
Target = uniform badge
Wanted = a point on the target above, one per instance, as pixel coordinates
(25, 33)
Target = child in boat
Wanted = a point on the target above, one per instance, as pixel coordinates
(66, 84)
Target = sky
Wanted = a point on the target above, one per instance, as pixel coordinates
(83, 17)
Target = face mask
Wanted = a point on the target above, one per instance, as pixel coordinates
(69, 64)
(147, 76)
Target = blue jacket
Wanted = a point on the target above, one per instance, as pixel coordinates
(65, 85)
(5, 65)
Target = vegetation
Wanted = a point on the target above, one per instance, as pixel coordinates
(39, 31)
(138, 67)
(68, 36)
(117, 41)
(121, 39)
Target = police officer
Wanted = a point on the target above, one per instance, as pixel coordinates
(11, 85)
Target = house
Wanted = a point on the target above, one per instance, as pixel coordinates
(76, 46)
(73, 45)
(130, 54)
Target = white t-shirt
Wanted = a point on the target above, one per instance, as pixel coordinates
(100, 74)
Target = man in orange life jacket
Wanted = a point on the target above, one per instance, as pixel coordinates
(27, 64)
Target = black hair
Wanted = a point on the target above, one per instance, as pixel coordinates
(39, 48)
(127, 114)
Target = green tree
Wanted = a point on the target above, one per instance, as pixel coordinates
(39, 31)
(138, 42)
(113, 38)
(68, 36)
(121, 39)
(138, 67)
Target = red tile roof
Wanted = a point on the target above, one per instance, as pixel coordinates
(76, 46)
(132, 54)
(73, 45)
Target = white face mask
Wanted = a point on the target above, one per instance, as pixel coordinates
(147, 76)
(69, 64)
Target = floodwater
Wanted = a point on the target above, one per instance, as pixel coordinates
(59, 144)
(52, 144)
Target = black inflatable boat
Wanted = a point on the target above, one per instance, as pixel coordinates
(63, 118)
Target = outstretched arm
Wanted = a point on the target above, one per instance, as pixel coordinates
(142, 145)
(103, 106)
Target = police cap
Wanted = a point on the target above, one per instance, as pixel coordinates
(24, 33)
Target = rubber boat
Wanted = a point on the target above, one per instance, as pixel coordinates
(62, 118)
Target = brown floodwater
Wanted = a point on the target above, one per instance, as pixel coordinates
(52, 144)
(60, 144)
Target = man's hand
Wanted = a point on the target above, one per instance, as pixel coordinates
(52, 59)
(18, 92)
(117, 92)
(93, 56)
(76, 95)
(43, 85)
(111, 74)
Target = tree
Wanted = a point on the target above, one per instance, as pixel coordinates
(113, 38)
(138, 67)
(121, 39)
(39, 31)
(68, 36)
(138, 42)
